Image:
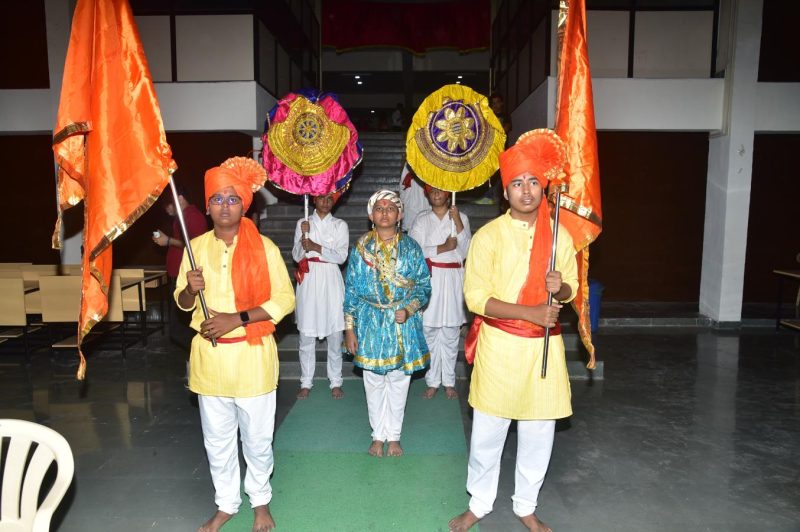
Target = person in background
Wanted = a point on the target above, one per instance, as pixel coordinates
(493, 193)
(397, 118)
(179, 331)
(413, 197)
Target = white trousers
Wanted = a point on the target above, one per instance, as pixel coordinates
(386, 403)
(534, 445)
(308, 359)
(254, 417)
(443, 343)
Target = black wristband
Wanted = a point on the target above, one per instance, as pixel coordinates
(245, 317)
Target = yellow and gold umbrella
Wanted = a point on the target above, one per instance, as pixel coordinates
(454, 141)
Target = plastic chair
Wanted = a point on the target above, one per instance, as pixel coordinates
(21, 485)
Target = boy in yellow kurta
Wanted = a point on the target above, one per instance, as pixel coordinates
(506, 285)
(247, 290)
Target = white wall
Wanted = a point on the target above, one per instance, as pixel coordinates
(607, 38)
(155, 35)
(634, 105)
(778, 107)
(667, 44)
(658, 105)
(672, 44)
(214, 47)
(230, 106)
(27, 111)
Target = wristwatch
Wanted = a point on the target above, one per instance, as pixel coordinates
(245, 317)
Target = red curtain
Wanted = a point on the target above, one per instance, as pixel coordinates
(464, 25)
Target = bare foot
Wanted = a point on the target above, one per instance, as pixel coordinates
(215, 523)
(533, 524)
(263, 519)
(376, 449)
(394, 449)
(303, 393)
(463, 522)
(337, 392)
(429, 392)
(450, 392)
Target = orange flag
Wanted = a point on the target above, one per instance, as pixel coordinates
(581, 214)
(109, 142)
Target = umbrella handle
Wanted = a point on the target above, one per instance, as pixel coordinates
(305, 205)
(452, 222)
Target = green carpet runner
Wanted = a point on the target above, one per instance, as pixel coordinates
(324, 479)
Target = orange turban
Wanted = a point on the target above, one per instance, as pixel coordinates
(242, 173)
(540, 152)
(249, 268)
(335, 196)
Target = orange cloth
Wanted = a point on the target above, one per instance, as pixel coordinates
(542, 153)
(581, 214)
(249, 270)
(109, 142)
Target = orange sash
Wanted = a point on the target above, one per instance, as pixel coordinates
(514, 327)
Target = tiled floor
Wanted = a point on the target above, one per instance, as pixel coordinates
(691, 429)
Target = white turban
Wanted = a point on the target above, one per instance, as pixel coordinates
(388, 195)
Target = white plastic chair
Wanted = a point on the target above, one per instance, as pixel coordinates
(21, 485)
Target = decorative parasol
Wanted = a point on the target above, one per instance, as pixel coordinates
(310, 145)
(455, 139)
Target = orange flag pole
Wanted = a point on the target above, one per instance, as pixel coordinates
(189, 253)
(550, 268)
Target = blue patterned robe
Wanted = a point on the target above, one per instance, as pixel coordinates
(380, 280)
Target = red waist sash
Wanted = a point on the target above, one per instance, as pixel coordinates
(432, 265)
(303, 268)
(234, 340)
(509, 326)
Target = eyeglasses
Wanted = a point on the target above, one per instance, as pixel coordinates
(227, 200)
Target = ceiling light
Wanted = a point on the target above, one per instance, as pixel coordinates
(458, 83)
(357, 77)
(372, 111)
(460, 77)
(360, 82)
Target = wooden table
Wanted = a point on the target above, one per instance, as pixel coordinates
(161, 282)
(139, 283)
(791, 323)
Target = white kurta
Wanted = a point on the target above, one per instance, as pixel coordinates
(446, 307)
(414, 201)
(321, 294)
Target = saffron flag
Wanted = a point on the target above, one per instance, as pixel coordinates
(581, 214)
(109, 143)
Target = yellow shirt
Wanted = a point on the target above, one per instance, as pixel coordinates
(237, 369)
(506, 379)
